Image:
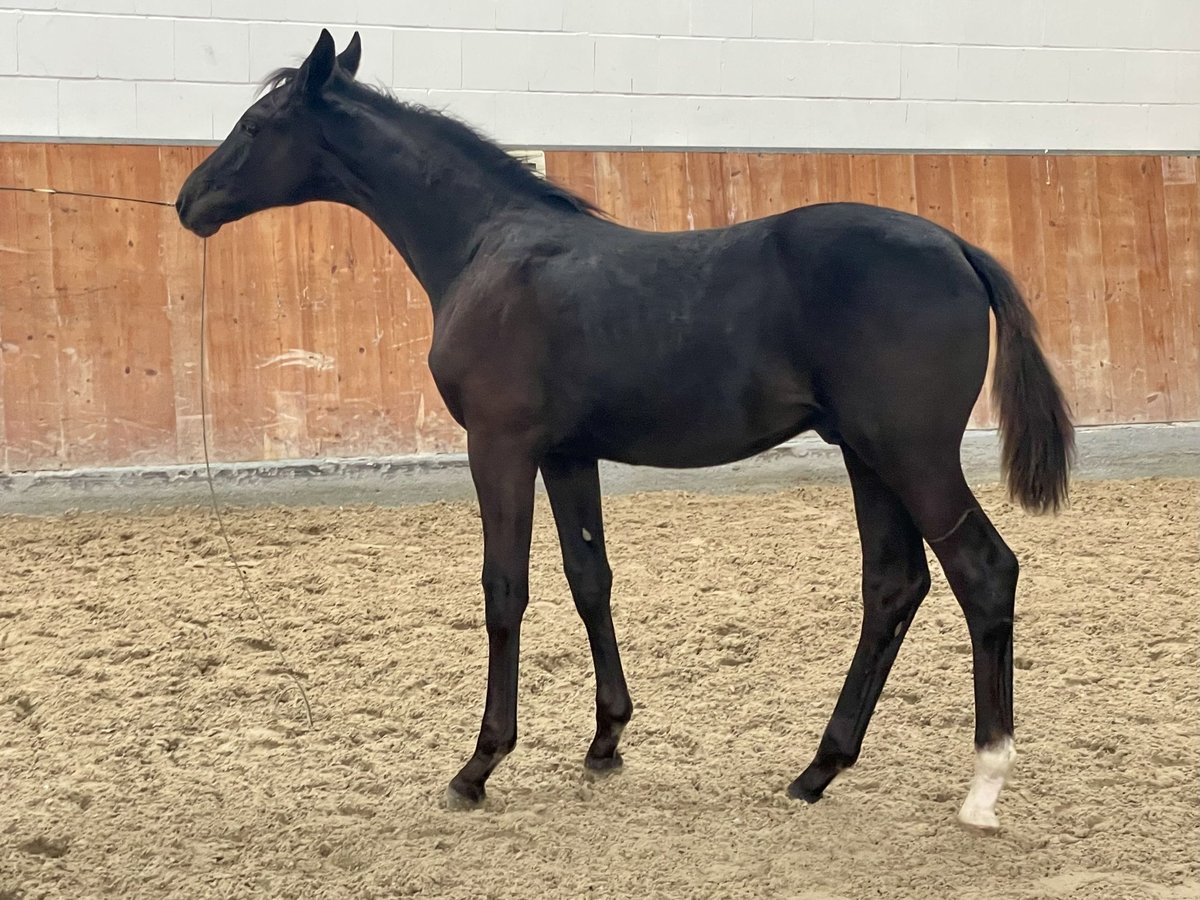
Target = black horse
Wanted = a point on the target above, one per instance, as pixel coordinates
(561, 338)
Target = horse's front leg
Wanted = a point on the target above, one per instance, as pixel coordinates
(503, 470)
(573, 486)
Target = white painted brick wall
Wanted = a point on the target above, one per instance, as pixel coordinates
(212, 51)
(29, 106)
(929, 71)
(653, 17)
(427, 58)
(94, 108)
(868, 74)
(721, 18)
(57, 45)
(529, 15)
(122, 48)
(689, 66)
(1012, 73)
(778, 68)
(787, 19)
(8, 43)
(525, 61)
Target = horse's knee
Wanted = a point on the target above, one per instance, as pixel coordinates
(504, 598)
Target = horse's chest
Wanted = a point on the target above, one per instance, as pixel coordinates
(485, 367)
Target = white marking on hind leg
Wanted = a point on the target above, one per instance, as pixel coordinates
(992, 765)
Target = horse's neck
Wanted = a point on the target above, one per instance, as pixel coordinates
(433, 223)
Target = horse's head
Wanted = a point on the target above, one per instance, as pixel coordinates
(274, 155)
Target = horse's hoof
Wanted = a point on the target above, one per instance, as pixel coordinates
(798, 791)
(456, 801)
(603, 764)
(978, 820)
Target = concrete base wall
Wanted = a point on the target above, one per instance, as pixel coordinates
(1117, 451)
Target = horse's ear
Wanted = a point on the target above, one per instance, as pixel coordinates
(349, 58)
(316, 71)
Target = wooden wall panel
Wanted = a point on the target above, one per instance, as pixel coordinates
(318, 333)
(1181, 199)
(85, 323)
(318, 336)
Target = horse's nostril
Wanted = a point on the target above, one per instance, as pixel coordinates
(179, 205)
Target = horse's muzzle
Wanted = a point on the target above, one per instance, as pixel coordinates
(194, 208)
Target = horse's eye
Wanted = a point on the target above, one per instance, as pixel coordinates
(251, 128)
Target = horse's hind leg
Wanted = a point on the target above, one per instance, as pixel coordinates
(982, 572)
(574, 490)
(894, 582)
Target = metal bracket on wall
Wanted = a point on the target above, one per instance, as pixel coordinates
(535, 160)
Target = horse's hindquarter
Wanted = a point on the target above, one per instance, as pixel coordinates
(893, 320)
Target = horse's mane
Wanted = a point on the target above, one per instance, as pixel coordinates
(477, 148)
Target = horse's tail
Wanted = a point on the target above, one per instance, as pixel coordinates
(1036, 434)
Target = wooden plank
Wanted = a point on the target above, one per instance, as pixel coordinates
(641, 177)
(1040, 264)
(783, 181)
(667, 189)
(1122, 301)
(707, 207)
(1094, 399)
(183, 255)
(833, 170)
(771, 192)
(575, 170)
(735, 175)
(895, 176)
(934, 189)
(621, 183)
(864, 179)
(323, 248)
(1181, 202)
(32, 406)
(1154, 289)
(808, 183)
(981, 198)
(610, 189)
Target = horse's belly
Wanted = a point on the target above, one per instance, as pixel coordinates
(690, 436)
